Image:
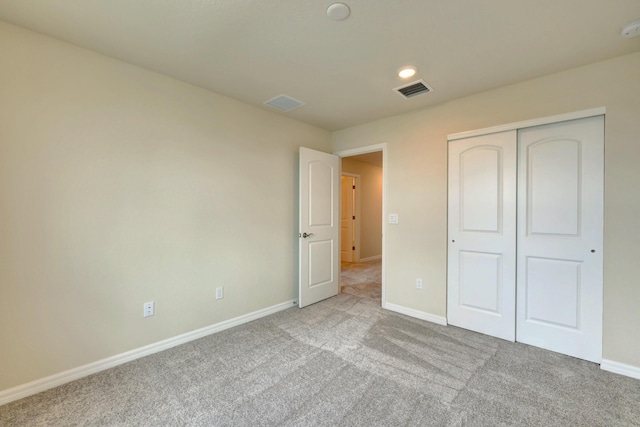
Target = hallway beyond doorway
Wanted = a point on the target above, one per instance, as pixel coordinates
(363, 279)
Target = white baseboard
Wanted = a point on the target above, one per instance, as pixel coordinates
(55, 380)
(416, 313)
(371, 258)
(620, 368)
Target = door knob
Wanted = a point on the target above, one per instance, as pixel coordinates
(305, 235)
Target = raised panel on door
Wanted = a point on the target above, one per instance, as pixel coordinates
(319, 176)
(480, 283)
(560, 242)
(481, 234)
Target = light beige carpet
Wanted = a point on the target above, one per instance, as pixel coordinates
(341, 362)
(362, 279)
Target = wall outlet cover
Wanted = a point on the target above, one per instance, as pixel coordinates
(149, 309)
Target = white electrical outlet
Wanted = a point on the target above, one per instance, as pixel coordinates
(220, 292)
(418, 283)
(148, 309)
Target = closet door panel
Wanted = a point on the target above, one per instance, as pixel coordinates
(560, 242)
(553, 187)
(481, 248)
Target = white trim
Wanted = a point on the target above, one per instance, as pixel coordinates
(620, 368)
(60, 378)
(372, 149)
(371, 258)
(363, 150)
(416, 313)
(529, 123)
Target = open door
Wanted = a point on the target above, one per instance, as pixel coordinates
(319, 256)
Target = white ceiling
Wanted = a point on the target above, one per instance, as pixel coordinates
(253, 50)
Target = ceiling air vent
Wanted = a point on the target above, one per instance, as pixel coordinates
(284, 103)
(413, 89)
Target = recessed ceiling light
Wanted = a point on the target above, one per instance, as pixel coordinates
(406, 72)
(338, 11)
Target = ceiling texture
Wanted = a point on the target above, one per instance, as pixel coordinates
(344, 71)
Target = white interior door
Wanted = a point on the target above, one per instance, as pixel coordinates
(560, 237)
(347, 218)
(319, 261)
(482, 234)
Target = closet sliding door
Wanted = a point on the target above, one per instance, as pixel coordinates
(560, 237)
(482, 234)
(554, 301)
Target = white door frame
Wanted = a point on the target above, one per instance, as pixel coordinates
(598, 111)
(372, 149)
(356, 213)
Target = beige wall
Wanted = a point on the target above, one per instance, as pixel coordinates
(417, 184)
(370, 205)
(120, 186)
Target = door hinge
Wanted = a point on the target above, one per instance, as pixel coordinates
(354, 187)
(354, 217)
(353, 248)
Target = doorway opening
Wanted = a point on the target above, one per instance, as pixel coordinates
(362, 226)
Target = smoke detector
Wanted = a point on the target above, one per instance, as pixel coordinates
(338, 11)
(632, 29)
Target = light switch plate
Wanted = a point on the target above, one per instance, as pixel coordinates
(393, 218)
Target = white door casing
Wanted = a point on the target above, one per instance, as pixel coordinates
(560, 237)
(319, 226)
(347, 229)
(482, 234)
(382, 147)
